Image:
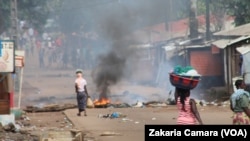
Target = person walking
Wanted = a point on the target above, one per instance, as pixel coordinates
(188, 113)
(81, 91)
(239, 104)
(41, 57)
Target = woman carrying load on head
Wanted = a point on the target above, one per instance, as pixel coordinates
(239, 103)
(188, 113)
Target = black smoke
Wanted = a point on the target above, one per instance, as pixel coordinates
(112, 66)
(115, 23)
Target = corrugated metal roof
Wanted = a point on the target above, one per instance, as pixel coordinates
(237, 31)
(169, 48)
(170, 51)
(196, 46)
(141, 46)
(223, 43)
(238, 39)
(243, 50)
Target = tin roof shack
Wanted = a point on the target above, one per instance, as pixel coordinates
(245, 52)
(208, 61)
(227, 42)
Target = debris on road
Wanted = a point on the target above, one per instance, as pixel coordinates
(49, 108)
(119, 105)
(112, 115)
(155, 104)
(137, 122)
(159, 104)
(107, 133)
(138, 105)
(126, 119)
(204, 103)
(34, 128)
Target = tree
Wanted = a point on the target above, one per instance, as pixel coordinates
(4, 15)
(35, 12)
(218, 11)
(219, 8)
(239, 9)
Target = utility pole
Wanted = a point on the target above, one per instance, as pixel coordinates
(208, 36)
(14, 37)
(171, 19)
(14, 22)
(193, 22)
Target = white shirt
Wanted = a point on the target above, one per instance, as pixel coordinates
(80, 82)
(31, 31)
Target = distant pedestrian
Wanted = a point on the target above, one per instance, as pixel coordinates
(81, 91)
(188, 113)
(41, 57)
(65, 59)
(239, 103)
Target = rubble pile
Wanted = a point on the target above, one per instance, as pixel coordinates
(213, 103)
(20, 130)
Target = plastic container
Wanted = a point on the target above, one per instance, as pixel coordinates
(184, 82)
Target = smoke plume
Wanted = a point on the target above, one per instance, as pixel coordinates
(115, 25)
(112, 65)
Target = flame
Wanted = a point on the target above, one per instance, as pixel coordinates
(102, 101)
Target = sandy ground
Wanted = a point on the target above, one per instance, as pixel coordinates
(132, 127)
(44, 86)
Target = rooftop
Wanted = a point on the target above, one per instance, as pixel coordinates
(236, 31)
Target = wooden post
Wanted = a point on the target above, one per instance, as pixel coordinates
(14, 34)
(208, 36)
(20, 88)
(19, 63)
(233, 61)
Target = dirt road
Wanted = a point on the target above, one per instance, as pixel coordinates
(48, 86)
(132, 127)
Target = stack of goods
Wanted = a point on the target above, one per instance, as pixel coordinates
(184, 77)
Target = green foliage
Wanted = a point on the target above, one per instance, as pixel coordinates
(237, 8)
(34, 12)
(4, 15)
(76, 14)
(180, 9)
